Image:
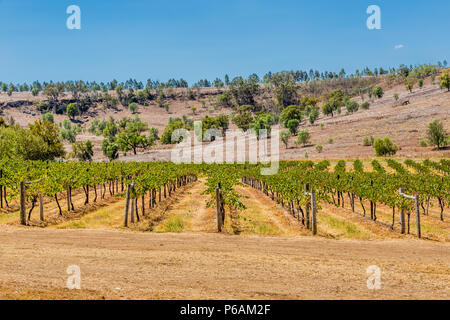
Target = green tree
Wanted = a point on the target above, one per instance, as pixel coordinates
(378, 92)
(445, 80)
(284, 136)
(132, 137)
(285, 90)
(48, 117)
(72, 110)
(352, 106)
(420, 83)
(243, 119)
(327, 109)
(48, 132)
(262, 122)
(53, 91)
(384, 146)
(133, 107)
(314, 114)
(436, 134)
(224, 100)
(83, 151)
(292, 125)
(303, 138)
(110, 148)
(290, 113)
(68, 132)
(166, 136)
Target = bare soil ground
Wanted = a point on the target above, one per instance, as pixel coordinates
(273, 257)
(125, 265)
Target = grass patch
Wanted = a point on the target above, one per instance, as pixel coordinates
(343, 228)
(9, 217)
(78, 224)
(173, 224)
(252, 221)
(104, 218)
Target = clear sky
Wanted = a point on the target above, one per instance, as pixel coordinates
(196, 39)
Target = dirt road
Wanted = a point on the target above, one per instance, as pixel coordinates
(126, 265)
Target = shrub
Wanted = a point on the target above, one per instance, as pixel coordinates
(396, 96)
(133, 107)
(48, 117)
(43, 107)
(420, 83)
(314, 115)
(303, 138)
(292, 125)
(291, 113)
(330, 140)
(284, 136)
(368, 141)
(352, 106)
(72, 110)
(319, 148)
(378, 92)
(384, 146)
(423, 143)
(83, 151)
(166, 137)
(445, 80)
(365, 105)
(243, 120)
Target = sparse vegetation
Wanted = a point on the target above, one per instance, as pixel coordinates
(368, 141)
(436, 134)
(303, 138)
(384, 147)
(365, 105)
(284, 136)
(319, 148)
(445, 80)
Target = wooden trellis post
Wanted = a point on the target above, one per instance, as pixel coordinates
(402, 215)
(219, 208)
(1, 190)
(307, 217)
(22, 202)
(313, 212)
(313, 225)
(127, 205)
(41, 207)
(23, 215)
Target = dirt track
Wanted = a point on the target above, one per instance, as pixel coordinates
(117, 264)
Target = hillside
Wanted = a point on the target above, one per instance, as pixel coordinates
(404, 124)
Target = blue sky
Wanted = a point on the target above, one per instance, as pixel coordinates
(199, 39)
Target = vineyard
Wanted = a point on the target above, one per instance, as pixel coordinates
(302, 188)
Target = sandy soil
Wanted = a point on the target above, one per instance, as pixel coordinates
(284, 262)
(126, 265)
